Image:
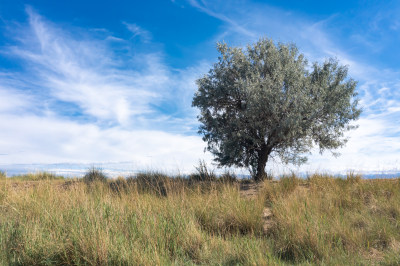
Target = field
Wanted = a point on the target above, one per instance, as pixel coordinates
(158, 220)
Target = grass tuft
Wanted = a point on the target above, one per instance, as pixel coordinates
(228, 177)
(203, 173)
(94, 175)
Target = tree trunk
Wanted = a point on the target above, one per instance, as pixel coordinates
(263, 155)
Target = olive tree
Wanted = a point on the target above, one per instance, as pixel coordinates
(267, 101)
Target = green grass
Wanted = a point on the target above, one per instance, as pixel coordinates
(153, 219)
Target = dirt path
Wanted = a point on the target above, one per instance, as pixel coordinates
(251, 190)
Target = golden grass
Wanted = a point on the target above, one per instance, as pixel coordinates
(98, 225)
(158, 220)
(332, 220)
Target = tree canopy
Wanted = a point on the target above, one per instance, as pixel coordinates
(267, 100)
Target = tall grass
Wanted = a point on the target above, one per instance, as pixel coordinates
(80, 224)
(154, 219)
(203, 173)
(333, 220)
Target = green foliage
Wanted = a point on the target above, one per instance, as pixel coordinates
(265, 102)
(3, 175)
(94, 175)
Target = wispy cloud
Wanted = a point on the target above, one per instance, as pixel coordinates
(234, 25)
(91, 75)
(83, 98)
(138, 31)
(71, 70)
(79, 99)
(374, 145)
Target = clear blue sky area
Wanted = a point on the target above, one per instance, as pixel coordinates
(112, 81)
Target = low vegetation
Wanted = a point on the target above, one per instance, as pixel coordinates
(41, 175)
(336, 221)
(94, 175)
(152, 218)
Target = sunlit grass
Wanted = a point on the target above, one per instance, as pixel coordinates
(36, 176)
(155, 219)
(333, 220)
(96, 224)
(3, 175)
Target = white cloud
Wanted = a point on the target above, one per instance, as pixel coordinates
(111, 88)
(374, 146)
(85, 72)
(234, 25)
(138, 31)
(12, 101)
(32, 139)
(79, 101)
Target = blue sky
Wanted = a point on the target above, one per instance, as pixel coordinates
(111, 83)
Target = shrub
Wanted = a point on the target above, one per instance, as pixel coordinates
(228, 177)
(3, 175)
(94, 175)
(153, 182)
(203, 173)
(119, 185)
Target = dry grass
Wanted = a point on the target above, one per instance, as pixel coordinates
(153, 219)
(40, 175)
(350, 221)
(98, 224)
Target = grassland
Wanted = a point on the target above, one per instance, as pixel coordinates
(154, 219)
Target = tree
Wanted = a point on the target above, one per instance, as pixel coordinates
(266, 101)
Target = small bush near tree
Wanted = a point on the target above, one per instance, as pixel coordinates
(94, 175)
(203, 173)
